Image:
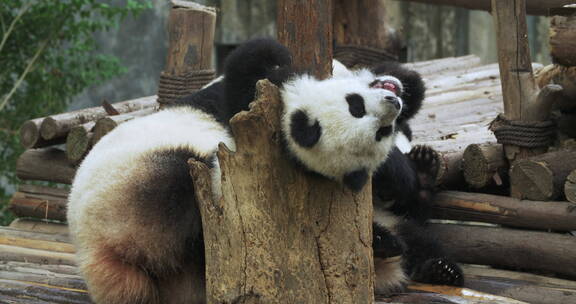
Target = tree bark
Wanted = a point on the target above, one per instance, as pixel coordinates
(563, 40)
(542, 177)
(484, 165)
(40, 202)
(570, 187)
(48, 164)
(59, 125)
(509, 248)
(534, 7)
(502, 210)
(279, 234)
(309, 21)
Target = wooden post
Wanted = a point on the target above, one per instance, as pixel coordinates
(191, 28)
(279, 234)
(305, 28)
(522, 99)
(362, 24)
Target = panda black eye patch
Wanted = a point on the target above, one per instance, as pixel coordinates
(356, 105)
(302, 133)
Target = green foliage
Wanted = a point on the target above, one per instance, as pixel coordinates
(47, 56)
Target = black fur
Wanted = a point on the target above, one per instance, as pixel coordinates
(414, 87)
(355, 180)
(254, 60)
(302, 132)
(356, 105)
(385, 244)
(210, 100)
(424, 260)
(383, 132)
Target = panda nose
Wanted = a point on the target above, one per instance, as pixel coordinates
(394, 101)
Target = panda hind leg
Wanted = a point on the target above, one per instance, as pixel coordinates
(425, 260)
(112, 280)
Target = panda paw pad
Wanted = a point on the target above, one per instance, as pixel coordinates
(426, 162)
(440, 271)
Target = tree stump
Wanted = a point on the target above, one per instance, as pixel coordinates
(279, 234)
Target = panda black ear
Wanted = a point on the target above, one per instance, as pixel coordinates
(301, 132)
(280, 75)
(414, 88)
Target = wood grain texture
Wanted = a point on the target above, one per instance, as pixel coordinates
(279, 234)
(47, 164)
(542, 177)
(570, 187)
(30, 135)
(484, 165)
(502, 210)
(40, 202)
(563, 40)
(509, 248)
(301, 21)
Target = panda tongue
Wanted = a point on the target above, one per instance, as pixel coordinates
(385, 85)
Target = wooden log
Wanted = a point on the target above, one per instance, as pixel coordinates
(21, 254)
(432, 68)
(47, 164)
(34, 267)
(533, 7)
(42, 293)
(502, 210)
(30, 135)
(450, 169)
(563, 40)
(542, 177)
(79, 142)
(477, 272)
(509, 248)
(278, 232)
(484, 165)
(57, 126)
(105, 125)
(46, 203)
(44, 277)
(363, 24)
(461, 295)
(570, 187)
(35, 225)
(309, 21)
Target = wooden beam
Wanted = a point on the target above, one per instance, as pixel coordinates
(534, 7)
(502, 210)
(509, 248)
(309, 22)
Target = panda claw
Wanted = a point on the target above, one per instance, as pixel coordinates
(439, 271)
(426, 163)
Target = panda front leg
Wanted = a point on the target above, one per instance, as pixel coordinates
(388, 263)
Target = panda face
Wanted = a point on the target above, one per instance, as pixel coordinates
(341, 127)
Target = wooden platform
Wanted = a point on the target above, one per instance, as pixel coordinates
(37, 260)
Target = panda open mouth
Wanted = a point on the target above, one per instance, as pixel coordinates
(387, 84)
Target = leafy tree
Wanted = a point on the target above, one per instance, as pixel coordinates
(47, 56)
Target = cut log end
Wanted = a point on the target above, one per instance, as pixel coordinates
(481, 163)
(78, 143)
(30, 134)
(49, 128)
(534, 179)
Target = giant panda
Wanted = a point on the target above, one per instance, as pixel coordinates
(131, 211)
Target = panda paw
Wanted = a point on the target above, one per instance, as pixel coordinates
(439, 271)
(426, 163)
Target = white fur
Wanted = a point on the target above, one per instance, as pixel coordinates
(340, 70)
(403, 143)
(390, 275)
(347, 143)
(98, 202)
